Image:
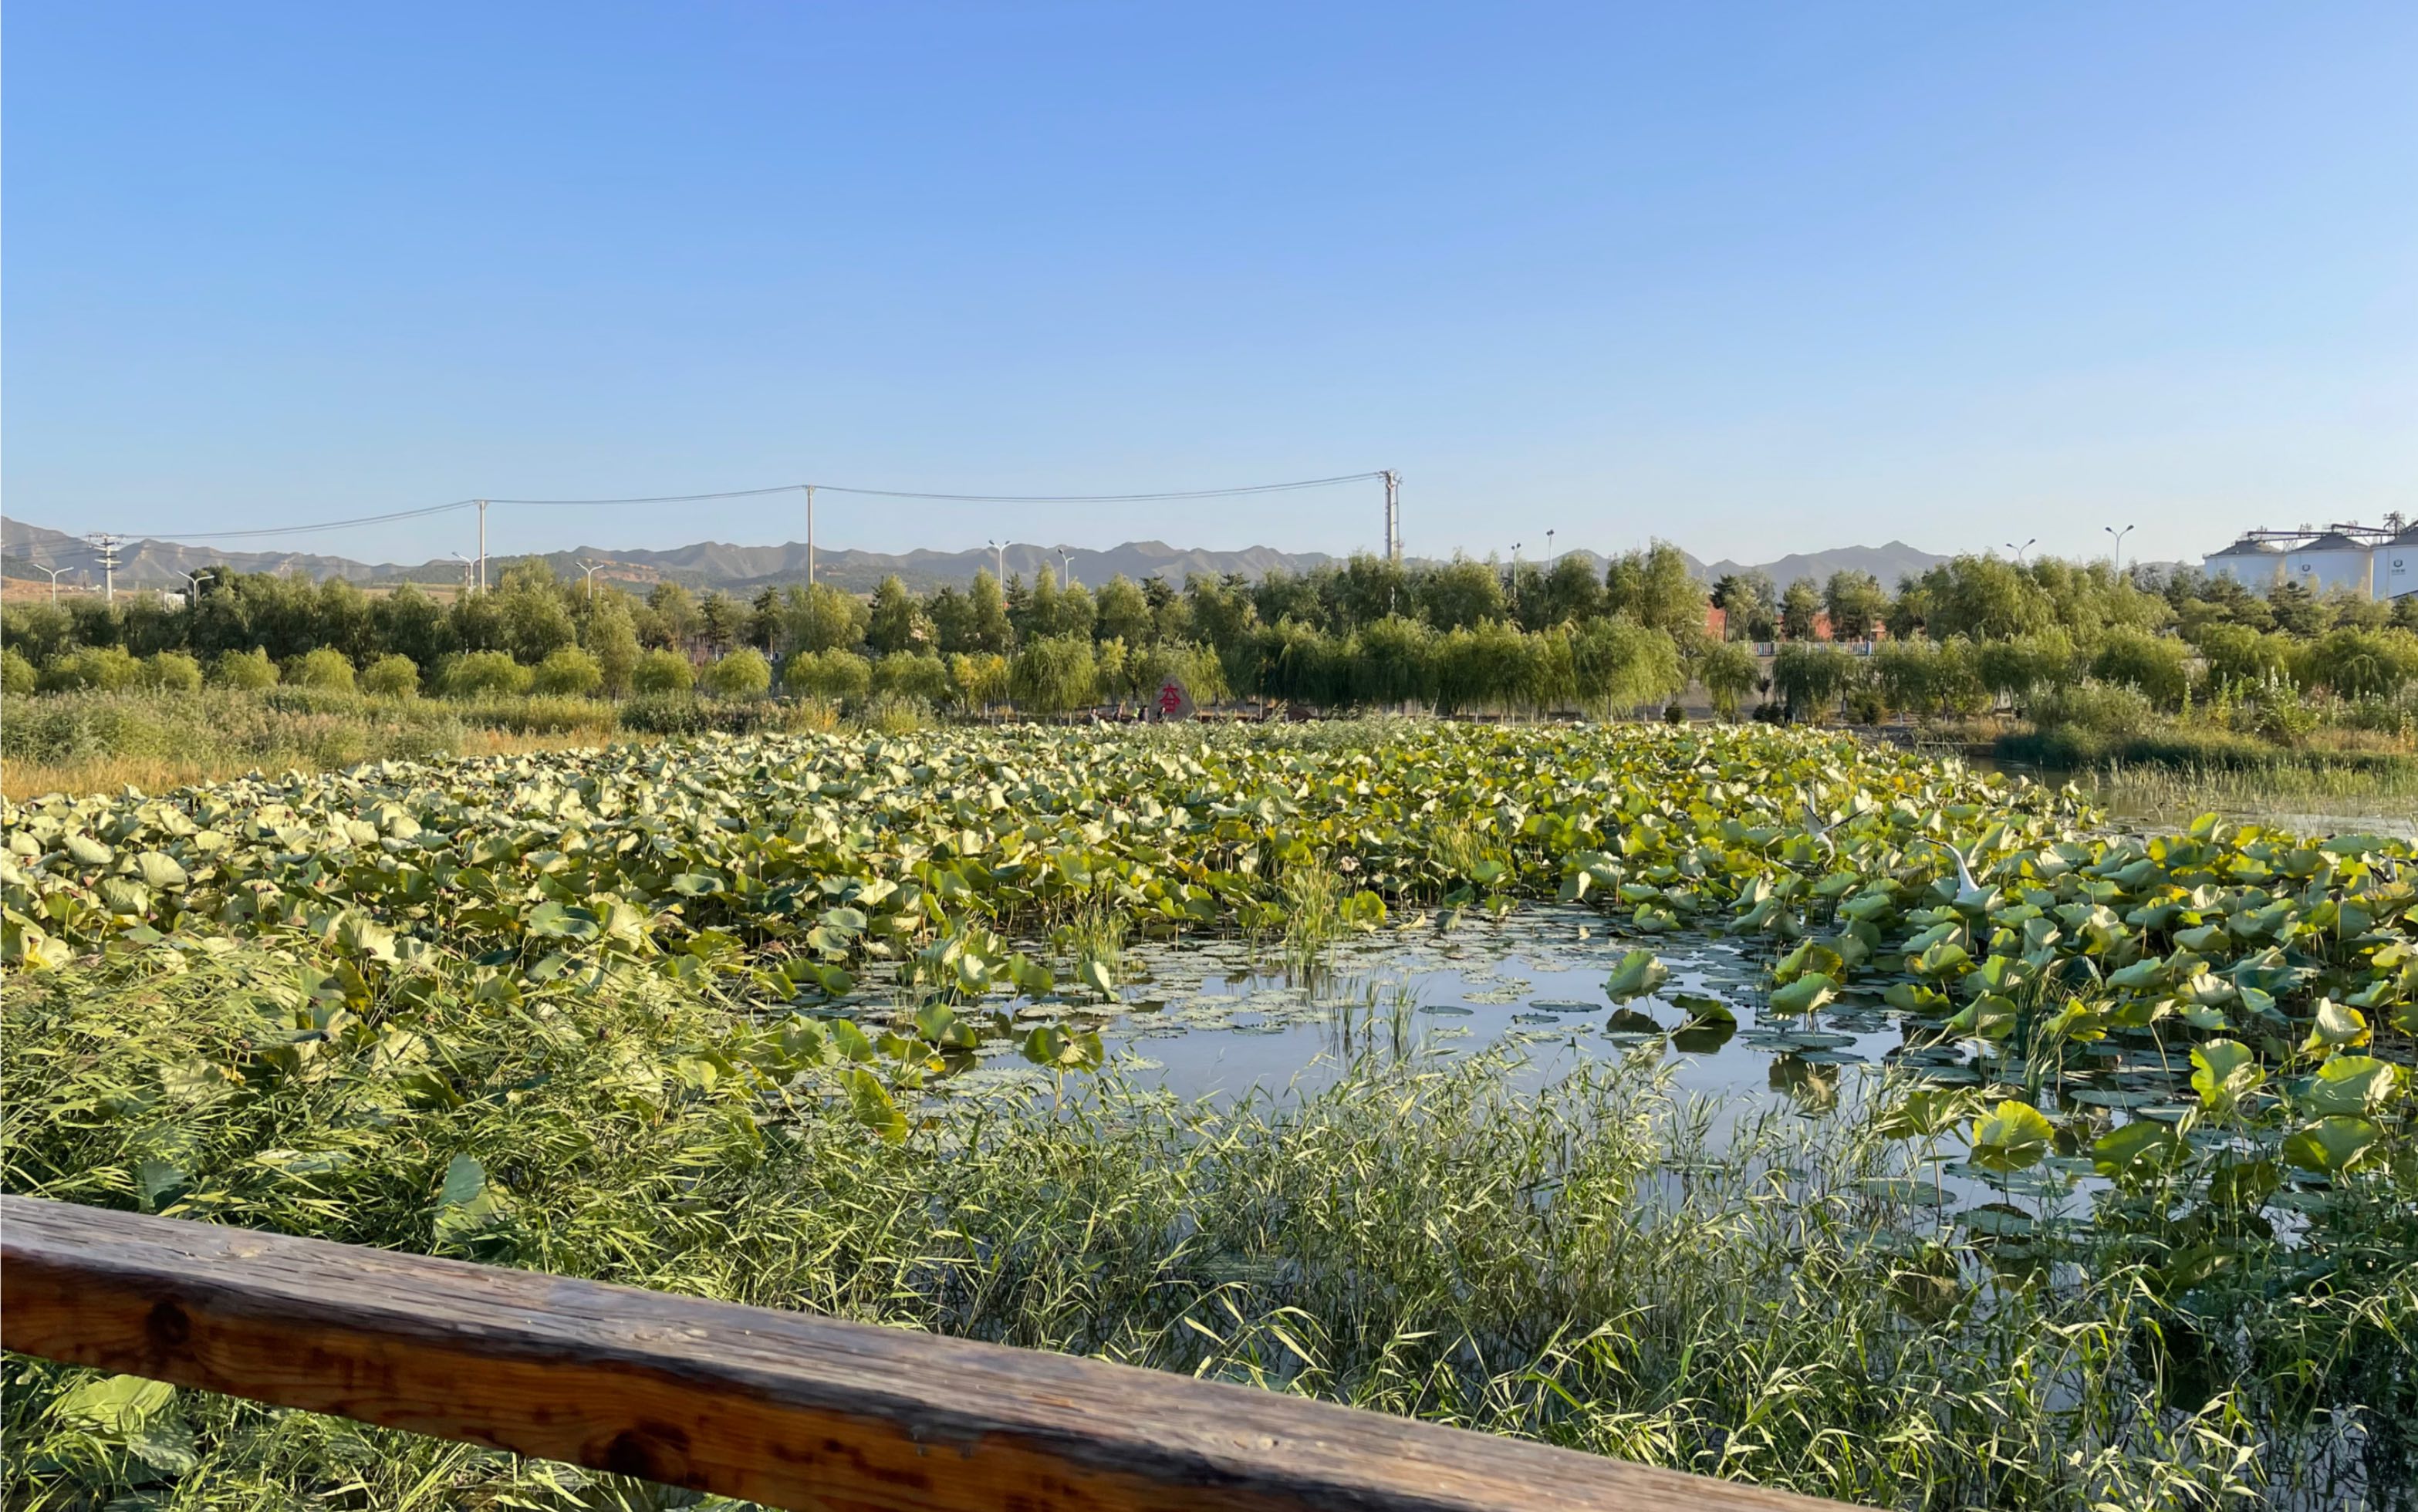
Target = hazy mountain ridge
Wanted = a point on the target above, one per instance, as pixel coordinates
(737, 568)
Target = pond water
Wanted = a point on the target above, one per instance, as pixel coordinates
(2153, 804)
(1217, 1019)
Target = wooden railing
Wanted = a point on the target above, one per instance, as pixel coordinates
(783, 1408)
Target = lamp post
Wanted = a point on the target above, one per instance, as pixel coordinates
(2119, 536)
(193, 582)
(588, 577)
(1515, 575)
(2020, 550)
(55, 572)
(1002, 560)
(1549, 548)
(1065, 569)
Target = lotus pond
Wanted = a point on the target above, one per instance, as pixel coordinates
(1752, 1101)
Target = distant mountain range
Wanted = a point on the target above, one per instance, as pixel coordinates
(743, 570)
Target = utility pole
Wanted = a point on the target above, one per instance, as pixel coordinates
(1393, 516)
(483, 545)
(107, 545)
(810, 535)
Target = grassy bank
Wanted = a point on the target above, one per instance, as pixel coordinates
(94, 741)
(1585, 1264)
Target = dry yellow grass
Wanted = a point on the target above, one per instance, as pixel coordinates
(22, 780)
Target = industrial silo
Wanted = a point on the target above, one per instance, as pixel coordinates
(2254, 563)
(2397, 564)
(2333, 560)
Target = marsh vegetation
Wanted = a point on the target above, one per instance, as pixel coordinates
(2084, 1178)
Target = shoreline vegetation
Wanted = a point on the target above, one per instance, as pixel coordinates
(157, 740)
(2066, 666)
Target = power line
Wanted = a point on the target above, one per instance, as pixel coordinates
(326, 525)
(663, 498)
(964, 498)
(1103, 499)
(1165, 496)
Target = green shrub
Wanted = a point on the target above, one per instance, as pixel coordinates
(391, 676)
(172, 672)
(2360, 663)
(894, 713)
(93, 668)
(567, 670)
(663, 713)
(249, 670)
(909, 675)
(660, 672)
(17, 675)
(2094, 708)
(325, 667)
(805, 716)
(840, 677)
(529, 714)
(978, 679)
(485, 675)
(742, 674)
(2137, 659)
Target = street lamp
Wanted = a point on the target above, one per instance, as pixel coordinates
(2020, 550)
(1515, 574)
(588, 576)
(1002, 559)
(1549, 548)
(193, 582)
(1065, 569)
(467, 570)
(55, 572)
(2119, 536)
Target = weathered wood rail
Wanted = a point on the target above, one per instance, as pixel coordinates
(785, 1409)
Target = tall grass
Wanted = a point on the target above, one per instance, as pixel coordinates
(97, 742)
(1603, 1263)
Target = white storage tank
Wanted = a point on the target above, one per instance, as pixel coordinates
(2254, 563)
(2397, 564)
(2333, 560)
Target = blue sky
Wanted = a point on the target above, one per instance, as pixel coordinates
(1752, 278)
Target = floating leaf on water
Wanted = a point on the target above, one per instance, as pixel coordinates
(2333, 1145)
(2135, 1149)
(1997, 1220)
(1640, 973)
(2012, 1137)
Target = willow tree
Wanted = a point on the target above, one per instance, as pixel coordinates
(1391, 661)
(1728, 671)
(1617, 663)
(1053, 674)
(1812, 678)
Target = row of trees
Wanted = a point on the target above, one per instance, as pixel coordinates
(1600, 667)
(1963, 676)
(1459, 635)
